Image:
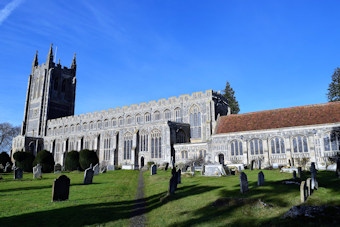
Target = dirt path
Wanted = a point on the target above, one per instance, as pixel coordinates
(138, 213)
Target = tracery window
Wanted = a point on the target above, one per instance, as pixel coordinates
(156, 144)
(129, 120)
(143, 138)
(147, 117)
(121, 121)
(106, 123)
(332, 141)
(157, 116)
(107, 148)
(195, 122)
(72, 128)
(256, 147)
(78, 127)
(99, 124)
(178, 115)
(66, 129)
(184, 154)
(92, 125)
(300, 144)
(114, 122)
(138, 119)
(202, 153)
(277, 145)
(167, 115)
(236, 148)
(127, 146)
(84, 126)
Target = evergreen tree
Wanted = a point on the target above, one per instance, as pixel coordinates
(334, 87)
(229, 94)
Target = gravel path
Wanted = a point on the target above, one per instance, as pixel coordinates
(138, 212)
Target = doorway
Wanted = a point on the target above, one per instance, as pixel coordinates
(142, 162)
(221, 159)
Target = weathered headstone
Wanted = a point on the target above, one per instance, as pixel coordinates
(167, 166)
(313, 176)
(294, 174)
(57, 168)
(37, 173)
(260, 163)
(8, 168)
(179, 176)
(153, 169)
(172, 186)
(96, 170)
(252, 164)
(88, 175)
(203, 170)
(192, 169)
(309, 186)
(243, 183)
(18, 173)
(61, 188)
(260, 179)
(303, 191)
(299, 172)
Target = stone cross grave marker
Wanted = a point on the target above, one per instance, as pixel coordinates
(252, 165)
(37, 171)
(153, 169)
(8, 167)
(18, 173)
(96, 170)
(61, 188)
(179, 181)
(243, 183)
(57, 168)
(303, 191)
(260, 179)
(294, 174)
(88, 175)
(299, 172)
(309, 186)
(166, 166)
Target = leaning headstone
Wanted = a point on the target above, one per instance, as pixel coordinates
(153, 169)
(179, 176)
(57, 168)
(172, 186)
(294, 174)
(260, 179)
(303, 190)
(299, 172)
(37, 171)
(61, 188)
(7, 167)
(252, 164)
(167, 166)
(88, 175)
(260, 163)
(243, 183)
(103, 169)
(18, 173)
(96, 170)
(309, 186)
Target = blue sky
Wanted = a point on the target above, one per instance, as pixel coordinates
(275, 54)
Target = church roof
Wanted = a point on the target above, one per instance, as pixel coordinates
(280, 118)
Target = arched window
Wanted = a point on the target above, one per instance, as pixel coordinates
(66, 129)
(178, 115)
(167, 115)
(56, 81)
(84, 126)
(63, 86)
(106, 123)
(138, 119)
(331, 141)
(107, 148)
(127, 146)
(156, 144)
(72, 128)
(114, 122)
(202, 154)
(277, 145)
(49, 132)
(143, 141)
(300, 144)
(157, 116)
(256, 147)
(99, 124)
(92, 125)
(236, 148)
(121, 121)
(184, 154)
(78, 127)
(195, 122)
(147, 117)
(180, 137)
(129, 120)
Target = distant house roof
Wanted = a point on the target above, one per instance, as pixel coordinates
(280, 118)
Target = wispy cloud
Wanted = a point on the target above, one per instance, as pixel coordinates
(8, 9)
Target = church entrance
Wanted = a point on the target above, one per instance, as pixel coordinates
(141, 162)
(221, 159)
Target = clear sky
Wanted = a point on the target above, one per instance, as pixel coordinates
(275, 54)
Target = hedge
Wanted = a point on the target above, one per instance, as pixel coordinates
(87, 157)
(4, 158)
(46, 160)
(24, 160)
(72, 161)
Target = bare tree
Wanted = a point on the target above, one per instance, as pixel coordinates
(7, 132)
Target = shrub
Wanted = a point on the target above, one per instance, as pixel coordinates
(24, 160)
(46, 160)
(4, 158)
(72, 161)
(87, 157)
(150, 164)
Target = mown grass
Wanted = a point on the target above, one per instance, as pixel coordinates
(192, 202)
(108, 200)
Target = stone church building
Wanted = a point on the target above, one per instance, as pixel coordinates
(177, 129)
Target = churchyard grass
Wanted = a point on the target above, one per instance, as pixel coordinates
(27, 202)
(192, 202)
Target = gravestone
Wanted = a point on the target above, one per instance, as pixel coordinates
(110, 168)
(57, 168)
(313, 176)
(309, 186)
(103, 169)
(37, 171)
(299, 172)
(88, 175)
(96, 170)
(179, 176)
(172, 186)
(176, 180)
(192, 169)
(18, 173)
(260, 179)
(294, 174)
(203, 170)
(61, 188)
(8, 167)
(214, 170)
(243, 183)
(252, 164)
(303, 191)
(173, 171)
(154, 169)
(260, 164)
(167, 166)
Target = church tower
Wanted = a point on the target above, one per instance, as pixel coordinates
(50, 94)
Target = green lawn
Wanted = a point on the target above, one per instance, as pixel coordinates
(110, 200)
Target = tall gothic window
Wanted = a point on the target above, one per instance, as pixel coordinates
(138, 119)
(41, 85)
(157, 116)
(256, 147)
(178, 115)
(156, 144)
(147, 117)
(78, 127)
(107, 148)
(236, 148)
(277, 145)
(202, 153)
(167, 115)
(300, 144)
(195, 122)
(331, 141)
(84, 126)
(99, 124)
(143, 141)
(184, 154)
(127, 146)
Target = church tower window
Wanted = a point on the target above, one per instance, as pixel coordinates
(143, 138)
(195, 122)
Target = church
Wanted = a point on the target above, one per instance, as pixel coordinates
(177, 129)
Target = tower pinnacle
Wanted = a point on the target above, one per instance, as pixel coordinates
(74, 62)
(50, 56)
